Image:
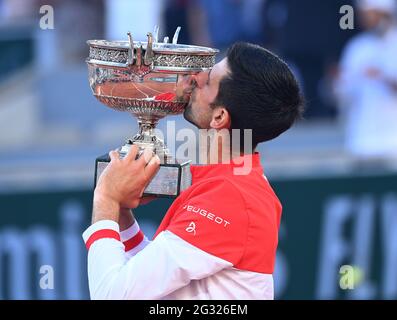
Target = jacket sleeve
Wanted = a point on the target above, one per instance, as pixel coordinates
(207, 233)
(163, 266)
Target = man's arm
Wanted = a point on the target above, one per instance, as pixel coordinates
(126, 219)
(174, 258)
(177, 256)
(165, 265)
(121, 187)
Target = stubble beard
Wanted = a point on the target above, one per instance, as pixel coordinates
(188, 112)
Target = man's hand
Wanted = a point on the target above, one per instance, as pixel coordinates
(122, 183)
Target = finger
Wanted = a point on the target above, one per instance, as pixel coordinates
(131, 155)
(152, 167)
(145, 157)
(114, 155)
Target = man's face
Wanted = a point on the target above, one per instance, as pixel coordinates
(204, 91)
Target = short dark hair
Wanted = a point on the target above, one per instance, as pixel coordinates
(260, 92)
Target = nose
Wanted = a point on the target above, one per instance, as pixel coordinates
(200, 79)
(187, 83)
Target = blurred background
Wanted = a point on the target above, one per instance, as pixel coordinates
(335, 171)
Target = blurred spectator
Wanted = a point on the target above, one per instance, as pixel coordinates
(15, 11)
(222, 22)
(177, 13)
(136, 16)
(307, 34)
(367, 85)
(76, 21)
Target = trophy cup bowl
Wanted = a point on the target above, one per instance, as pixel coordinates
(146, 80)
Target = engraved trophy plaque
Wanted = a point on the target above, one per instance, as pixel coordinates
(144, 79)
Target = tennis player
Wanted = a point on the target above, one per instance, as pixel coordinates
(218, 239)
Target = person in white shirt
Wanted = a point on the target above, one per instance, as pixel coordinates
(367, 85)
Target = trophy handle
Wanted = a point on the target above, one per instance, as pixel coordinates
(176, 35)
(130, 59)
(149, 55)
(137, 64)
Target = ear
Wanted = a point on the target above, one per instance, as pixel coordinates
(220, 118)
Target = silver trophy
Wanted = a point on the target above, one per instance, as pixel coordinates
(146, 80)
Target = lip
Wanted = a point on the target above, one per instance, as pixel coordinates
(188, 91)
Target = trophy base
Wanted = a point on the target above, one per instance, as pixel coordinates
(169, 181)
